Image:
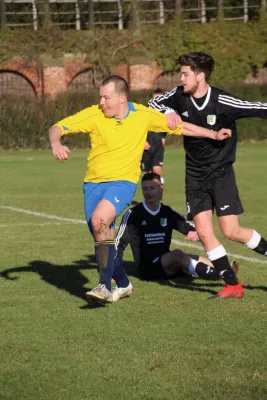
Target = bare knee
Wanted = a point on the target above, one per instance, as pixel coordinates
(99, 224)
(179, 257)
(204, 234)
(231, 233)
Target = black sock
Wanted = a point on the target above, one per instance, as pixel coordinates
(205, 271)
(262, 247)
(225, 271)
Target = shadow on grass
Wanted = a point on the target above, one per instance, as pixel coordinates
(71, 279)
(188, 283)
(64, 277)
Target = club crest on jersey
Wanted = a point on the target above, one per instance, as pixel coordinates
(211, 119)
(163, 222)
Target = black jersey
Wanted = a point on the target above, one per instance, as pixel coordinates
(155, 140)
(206, 157)
(149, 233)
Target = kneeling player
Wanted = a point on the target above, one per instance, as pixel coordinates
(148, 228)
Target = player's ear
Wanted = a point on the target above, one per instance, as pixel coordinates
(123, 98)
(201, 76)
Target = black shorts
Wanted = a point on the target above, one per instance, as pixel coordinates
(219, 193)
(152, 159)
(152, 270)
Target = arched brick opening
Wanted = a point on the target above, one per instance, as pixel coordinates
(168, 80)
(16, 84)
(86, 80)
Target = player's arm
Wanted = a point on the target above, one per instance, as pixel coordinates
(59, 151)
(181, 225)
(235, 108)
(197, 131)
(123, 236)
(167, 104)
(82, 122)
(158, 123)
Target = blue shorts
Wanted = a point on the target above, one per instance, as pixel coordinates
(119, 193)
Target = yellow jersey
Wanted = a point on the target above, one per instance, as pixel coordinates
(116, 145)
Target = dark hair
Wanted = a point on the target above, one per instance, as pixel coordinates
(198, 62)
(158, 91)
(120, 83)
(149, 176)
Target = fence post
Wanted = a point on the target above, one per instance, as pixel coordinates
(91, 14)
(161, 13)
(203, 11)
(2, 14)
(77, 16)
(135, 15)
(120, 15)
(178, 7)
(34, 15)
(245, 11)
(220, 9)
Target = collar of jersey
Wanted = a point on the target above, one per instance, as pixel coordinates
(130, 108)
(150, 211)
(205, 102)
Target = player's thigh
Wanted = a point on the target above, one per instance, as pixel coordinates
(158, 158)
(92, 195)
(174, 261)
(152, 270)
(198, 197)
(226, 196)
(105, 211)
(120, 194)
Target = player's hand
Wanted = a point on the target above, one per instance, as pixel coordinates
(173, 120)
(61, 152)
(147, 146)
(223, 134)
(192, 236)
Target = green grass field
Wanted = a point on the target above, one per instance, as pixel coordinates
(167, 341)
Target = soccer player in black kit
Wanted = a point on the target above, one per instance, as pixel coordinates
(153, 156)
(148, 228)
(210, 177)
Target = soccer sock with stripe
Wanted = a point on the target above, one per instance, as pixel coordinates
(257, 243)
(119, 274)
(105, 253)
(202, 270)
(219, 259)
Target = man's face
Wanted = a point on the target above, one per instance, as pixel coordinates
(189, 79)
(152, 191)
(110, 100)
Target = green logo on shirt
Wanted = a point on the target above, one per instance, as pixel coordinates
(163, 222)
(211, 119)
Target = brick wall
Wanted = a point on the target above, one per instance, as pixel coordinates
(54, 77)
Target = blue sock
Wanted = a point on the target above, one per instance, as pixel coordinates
(119, 274)
(105, 253)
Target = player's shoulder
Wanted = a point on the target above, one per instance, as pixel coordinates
(218, 91)
(91, 111)
(172, 211)
(142, 109)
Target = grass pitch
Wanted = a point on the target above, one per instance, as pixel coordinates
(167, 341)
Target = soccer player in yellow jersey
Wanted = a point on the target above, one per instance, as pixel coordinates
(118, 131)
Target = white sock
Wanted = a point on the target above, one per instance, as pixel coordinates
(216, 253)
(192, 267)
(254, 240)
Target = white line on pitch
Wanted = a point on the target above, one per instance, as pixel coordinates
(80, 221)
(195, 246)
(33, 224)
(49, 216)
